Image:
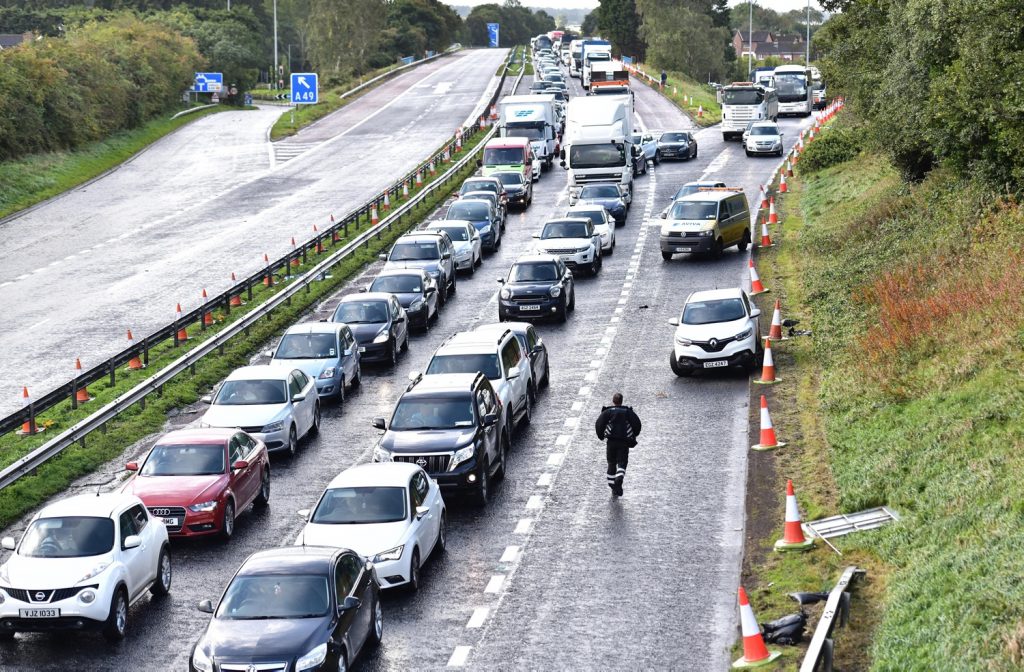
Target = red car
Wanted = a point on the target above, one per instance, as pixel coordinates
(197, 481)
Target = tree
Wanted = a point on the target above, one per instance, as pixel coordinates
(682, 36)
(343, 35)
(589, 25)
(619, 23)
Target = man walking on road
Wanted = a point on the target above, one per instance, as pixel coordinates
(619, 426)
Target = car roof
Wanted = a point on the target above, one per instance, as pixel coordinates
(313, 328)
(600, 184)
(375, 474)
(586, 205)
(536, 258)
(290, 560)
(260, 372)
(714, 294)
(509, 172)
(709, 195)
(704, 183)
(489, 203)
(675, 130)
(443, 383)
(574, 220)
(514, 327)
(479, 178)
(506, 141)
(197, 435)
(421, 234)
(765, 122)
(100, 505)
(470, 342)
(440, 223)
(400, 271)
(483, 195)
(366, 296)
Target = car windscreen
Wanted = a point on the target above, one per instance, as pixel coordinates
(674, 137)
(525, 132)
(764, 130)
(361, 312)
(489, 196)
(252, 392)
(415, 251)
(418, 413)
(511, 179)
(307, 346)
(595, 215)
(742, 97)
(503, 156)
(68, 537)
(398, 284)
(467, 210)
(273, 596)
(542, 272)
(599, 191)
(709, 312)
(361, 506)
(694, 210)
(190, 459)
(478, 185)
(485, 363)
(604, 155)
(458, 234)
(565, 230)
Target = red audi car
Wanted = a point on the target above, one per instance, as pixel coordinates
(197, 481)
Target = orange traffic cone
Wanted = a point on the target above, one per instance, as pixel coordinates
(782, 184)
(700, 112)
(773, 217)
(334, 232)
(182, 333)
(483, 123)
(768, 440)
(764, 198)
(756, 287)
(387, 202)
(494, 111)
(775, 332)
(374, 218)
(268, 279)
(768, 366)
(134, 363)
(405, 190)
(789, 169)
(319, 243)
(235, 300)
(458, 140)
(29, 427)
(793, 538)
(433, 170)
(295, 260)
(766, 240)
(755, 653)
(82, 394)
(419, 178)
(207, 316)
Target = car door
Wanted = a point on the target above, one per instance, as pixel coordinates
(419, 528)
(538, 358)
(244, 482)
(350, 352)
(345, 628)
(308, 389)
(399, 325)
(595, 237)
(511, 359)
(422, 492)
(138, 570)
(356, 576)
(486, 403)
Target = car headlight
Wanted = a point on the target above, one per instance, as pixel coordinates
(681, 340)
(744, 334)
(315, 658)
(462, 455)
(555, 291)
(95, 571)
(381, 454)
(203, 507)
(390, 554)
(201, 661)
(584, 249)
(435, 273)
(506, 293)
(463, 254)
(87, 596)
(707, 232)
(3, 596)
(382, 337)
(273, 427)
(416, 304)
(328, 373)
(486, 228)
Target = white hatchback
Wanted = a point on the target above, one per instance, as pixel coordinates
(717, 329)
(391, 513)
(80, 564)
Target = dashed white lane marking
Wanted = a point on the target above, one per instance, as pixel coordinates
(544, 481)
(577, 406)
(615, 319)
(23, 276)
(4, 284)
(535, 502)
(590, 377)
(511, 554)
(459, 656)
(495, 584)
(570, 423)
(523, 526)
(477, 619)
(584, 391)
(562, 439)
(555, 459)
(596, 363)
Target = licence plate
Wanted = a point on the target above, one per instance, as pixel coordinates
(39, 613)
(529, 307)
(684, 249)
(170, 522)
(715, 364)
(362, 349)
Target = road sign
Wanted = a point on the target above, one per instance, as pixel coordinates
(492, 33)
(208, 82)
(305, 88)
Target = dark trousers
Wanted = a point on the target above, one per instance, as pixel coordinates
(618, 459)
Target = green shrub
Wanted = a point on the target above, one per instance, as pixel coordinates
(835, 145)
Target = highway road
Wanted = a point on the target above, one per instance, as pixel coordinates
(554, 573)
(202, 203)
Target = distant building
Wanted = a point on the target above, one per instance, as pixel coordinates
(742, 42)
(766, 44)
(8, 40)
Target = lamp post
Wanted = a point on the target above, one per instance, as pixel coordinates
(750, 38)
(276, 75)
(807, 55)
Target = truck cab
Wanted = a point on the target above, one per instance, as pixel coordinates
(501, 154)
(598, 144)
(532, 117)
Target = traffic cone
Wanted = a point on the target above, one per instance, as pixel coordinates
(334, 232)
(764, 198)
(433, 171)
(768, 440)
(207, 317)
(458, 140)
(295, 260)
(775, 332)
(494, 112)
(773, 217)
(756, 287)
(405, 190)
(82, 395)
(134, 364)
(387, 202)
(483, 122)
(782, 184)
(789, 169)
(419, 179)
(755, 653)
(766, 240)
(268, 279)
(29, 427)
(700, 112)
(319, 243)
(235, 300)
(182, 333)
(793, 538)
(768, 367)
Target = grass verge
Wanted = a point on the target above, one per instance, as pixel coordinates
(691, 97)
(33, 179)
(137, 422)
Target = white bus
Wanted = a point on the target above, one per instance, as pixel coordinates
(743, 102)
(795, 90)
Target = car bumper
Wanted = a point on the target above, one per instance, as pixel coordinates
(693, 357)
(374, 352)
(675, 153)
(686, 245)
(763, 150)
(328, 387)
(606, 241)
(545, 308)
(464, 264)
(419, 317)
(395, 573)
(487, 240)
(275, 440)
(73, 614)
(517, 199)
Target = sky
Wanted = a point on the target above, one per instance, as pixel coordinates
(777, 5)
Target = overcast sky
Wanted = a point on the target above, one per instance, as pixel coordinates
(777, 5)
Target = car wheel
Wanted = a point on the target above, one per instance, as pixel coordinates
(479, 259)
(599, 264)
(116, 626)
(162, 585)
(694, 153)
(502, 315)
(442, 294)
(676, 369)
(442, 534)
(455, 284)
(657, 158)
(227, 524)
(562, 314)
(546, 380)
(263, 498)
(342, 661)
(393, 353)
(377, 629)
(572, 300)
(472, 268)
(341, 390)
(293, 442)
(358, 376)
(744, 241)
(483, 489)
(405, 343)
(667, 256)
(499, 473)
(531, 399)
(314, 429)
(716, 249)
(414, 571)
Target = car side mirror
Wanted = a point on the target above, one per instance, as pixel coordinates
(446, 256)
(347, 352)
(132, 541)
(382, 256)
(269, 353)
(430, 290)
(206, 606)
(380, 423)
(363, 290)
(490, 419)
(501, 281)
(132, 466)
(7, 543)
(674, 321)
(206, 398)
(512, 375)
(240, 464)
(755, 312)
(304, 513)
(400, 319)
(536, 235)
(350, 603)
(664, 215)
(422, 511)
(296, 398)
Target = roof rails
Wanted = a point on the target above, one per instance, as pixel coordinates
(719, 188)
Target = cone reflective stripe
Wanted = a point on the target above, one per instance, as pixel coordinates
(773, 217)
(134, 362)
(793, 538)
(783, 188)
(768, 366)
(768, 439)
(764, 198)
(82, 394)
(405, 190)
(374, 219)
(755, 281)
(766, 240)
(755, 653)
(182, 333)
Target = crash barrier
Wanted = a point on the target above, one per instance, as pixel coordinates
(140, 349)
(820, 652)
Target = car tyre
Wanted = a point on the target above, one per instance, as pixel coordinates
(676, 369)
(657, 157)
(377, 627)
(455, 285)
(405, 343)
(483, 490)
(116, 626)
(502, 315)
(546, 380)
(572, 300)
(263, 497)
(341, 390)
(227, 523)
(442, 534)
(499, 473)
(531, 399)
(393, 353)
(342, 660)
(716, 251)
(562, 314)
(744, 241)
(357, 378)
(666, 256)
(314, 429)
(293, 442)
(414, 571)
(164, 574)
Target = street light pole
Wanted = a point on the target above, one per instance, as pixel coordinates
(807, 56)
(750, 38)
(276, 75)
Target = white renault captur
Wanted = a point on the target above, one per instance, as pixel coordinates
(717, 329)
(80, 564)
(391, 513)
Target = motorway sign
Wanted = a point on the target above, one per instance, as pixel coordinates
(492, 34)
(208, 82)
(305, 88)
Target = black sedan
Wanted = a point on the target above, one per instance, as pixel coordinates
(606, 195)
(677, 145)
(416, 291)
(293, 608)
(518, 188)
(379, 324)
(537, 286)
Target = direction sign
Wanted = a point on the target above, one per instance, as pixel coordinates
(208, 82)
(305, 88)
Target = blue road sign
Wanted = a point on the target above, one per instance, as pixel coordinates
(305, 88)
(208, 82)
(492, 33)
(627, 60)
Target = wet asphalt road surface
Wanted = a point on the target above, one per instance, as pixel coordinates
(587, 582)
(200, 204)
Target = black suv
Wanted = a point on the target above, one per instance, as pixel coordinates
(538, 285)
(450, 425)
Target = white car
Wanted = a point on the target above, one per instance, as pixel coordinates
(391, 513)
(602, 221)
(573, 240)
(717, 329)
(274, 404)
(763, 137)
(80, 564)
(647, 141)
(469, 252)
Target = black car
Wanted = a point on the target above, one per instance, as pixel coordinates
(379, 324)
(677, 145)
(415, 290)
(518, 188)
(537, 286)
(292, 608)
(607, 195)
(450, 425)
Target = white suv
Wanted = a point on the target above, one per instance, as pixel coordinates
(763, 137)
(573, 240)
(717, 328)
(80, 564)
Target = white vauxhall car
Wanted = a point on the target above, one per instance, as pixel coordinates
(80, 564)
(391, 513)
(717, 329)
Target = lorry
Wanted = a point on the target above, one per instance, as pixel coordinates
(608, 77)
(533, 117)
(597, 145)
(575, 57)
(743, 102)
(593, 52)
(576, 66)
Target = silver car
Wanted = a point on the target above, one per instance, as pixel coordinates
(468, 247)
(325, 351)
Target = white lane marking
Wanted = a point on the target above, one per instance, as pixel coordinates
(555, 459)
(535, 502)
(570, 423)
(643, 126)
(562, 439)
(595, 363)
(442, 88)
(577, 406)
(459, 656)
(716, 164)
(523, 526)
(615, 319)
(544, 481)
(494, 585)
(511, 554)
(478, 618)
(4, 284)
(591, 377)
(23, 276)
(584, 391)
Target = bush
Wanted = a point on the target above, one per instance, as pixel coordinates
(835, 145)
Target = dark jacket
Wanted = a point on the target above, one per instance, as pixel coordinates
(618, 424)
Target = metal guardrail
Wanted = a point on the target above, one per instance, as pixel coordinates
(820, 651)
(155, 383)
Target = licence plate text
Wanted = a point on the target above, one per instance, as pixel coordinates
(170, 522)
(39, 613)
(684, 249)
(715, 364)
(362, 349)
(529, 307)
